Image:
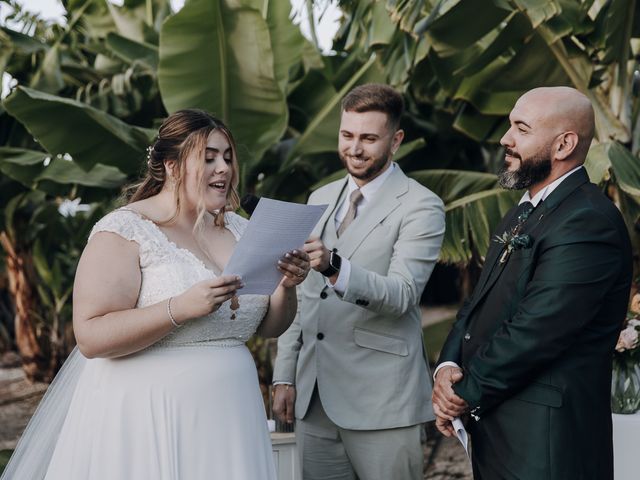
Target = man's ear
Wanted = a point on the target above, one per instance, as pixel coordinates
(397, 140)
(566, 145)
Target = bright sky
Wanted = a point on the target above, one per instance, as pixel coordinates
(327, 20)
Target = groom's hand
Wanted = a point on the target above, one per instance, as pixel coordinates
(446, 404)
(444, 426)
(318, 254)
(284, 400)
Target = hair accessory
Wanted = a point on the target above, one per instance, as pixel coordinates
(149, 150)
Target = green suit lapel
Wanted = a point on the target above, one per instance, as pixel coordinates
(491, 262)
(556, 197)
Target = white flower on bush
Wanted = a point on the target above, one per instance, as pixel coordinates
(69, 208)
(628, 338)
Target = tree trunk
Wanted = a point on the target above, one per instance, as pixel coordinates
(21, 275)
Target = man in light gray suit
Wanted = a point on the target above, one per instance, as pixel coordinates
(353, 361)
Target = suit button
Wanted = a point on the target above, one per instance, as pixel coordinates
(323, 295)
(320, 336)
(467, 336)
(359, 302)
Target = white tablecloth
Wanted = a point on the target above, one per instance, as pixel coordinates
(626, 439)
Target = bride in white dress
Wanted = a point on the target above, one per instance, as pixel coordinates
(164, 387)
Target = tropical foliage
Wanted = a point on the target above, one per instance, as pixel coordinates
(468, 74)
(87, 95)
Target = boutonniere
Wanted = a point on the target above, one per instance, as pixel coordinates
(513, 239)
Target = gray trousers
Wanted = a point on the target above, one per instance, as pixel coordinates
(328, 452)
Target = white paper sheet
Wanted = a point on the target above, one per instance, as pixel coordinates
(461, 433)
(275, 228)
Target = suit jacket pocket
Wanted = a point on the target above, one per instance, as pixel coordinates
(380, 341)
(541, 394)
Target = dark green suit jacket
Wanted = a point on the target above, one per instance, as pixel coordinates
(535, 341)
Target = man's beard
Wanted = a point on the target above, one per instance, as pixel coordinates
(532, 170)
(377, 164)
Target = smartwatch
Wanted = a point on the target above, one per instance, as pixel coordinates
(334, 264)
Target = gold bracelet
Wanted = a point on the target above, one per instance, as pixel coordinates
(173, 320)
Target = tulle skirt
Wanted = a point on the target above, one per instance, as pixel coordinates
(182, 413)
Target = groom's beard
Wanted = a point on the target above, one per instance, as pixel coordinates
(532, 170)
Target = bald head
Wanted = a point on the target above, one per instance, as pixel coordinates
(562, 109)
(549, 135)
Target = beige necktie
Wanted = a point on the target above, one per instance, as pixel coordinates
(354, 200)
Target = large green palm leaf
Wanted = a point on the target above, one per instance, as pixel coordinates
(471, 220)
(474, 205)
(90, 136)
(218, 55)
(35, 170)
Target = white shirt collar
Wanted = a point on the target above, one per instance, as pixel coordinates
(546, 191)
(372, 187)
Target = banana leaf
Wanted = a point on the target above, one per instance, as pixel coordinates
(220, 58)
(470, 222)
(90, 136)
(130, 51)
(31, 167)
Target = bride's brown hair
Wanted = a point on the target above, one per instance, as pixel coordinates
(181, 134)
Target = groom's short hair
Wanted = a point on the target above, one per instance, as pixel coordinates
(375, 97)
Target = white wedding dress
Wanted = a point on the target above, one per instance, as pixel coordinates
(188, 407)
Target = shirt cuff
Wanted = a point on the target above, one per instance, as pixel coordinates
(443, 364)
(282, 383)
(343, 278)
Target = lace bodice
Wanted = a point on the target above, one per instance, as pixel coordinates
(168, 270)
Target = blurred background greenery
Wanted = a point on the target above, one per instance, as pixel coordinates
(88, 93)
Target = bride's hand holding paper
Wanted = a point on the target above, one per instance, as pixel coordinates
(294, 265)
(276, 229)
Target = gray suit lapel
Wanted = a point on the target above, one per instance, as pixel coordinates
(333, 195)
(385, 202)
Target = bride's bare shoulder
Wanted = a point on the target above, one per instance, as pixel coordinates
(149, 208)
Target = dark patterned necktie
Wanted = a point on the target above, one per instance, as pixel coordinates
(522, 213)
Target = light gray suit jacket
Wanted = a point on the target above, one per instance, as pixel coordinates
(365, 349)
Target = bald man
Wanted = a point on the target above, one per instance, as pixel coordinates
(528, 360)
